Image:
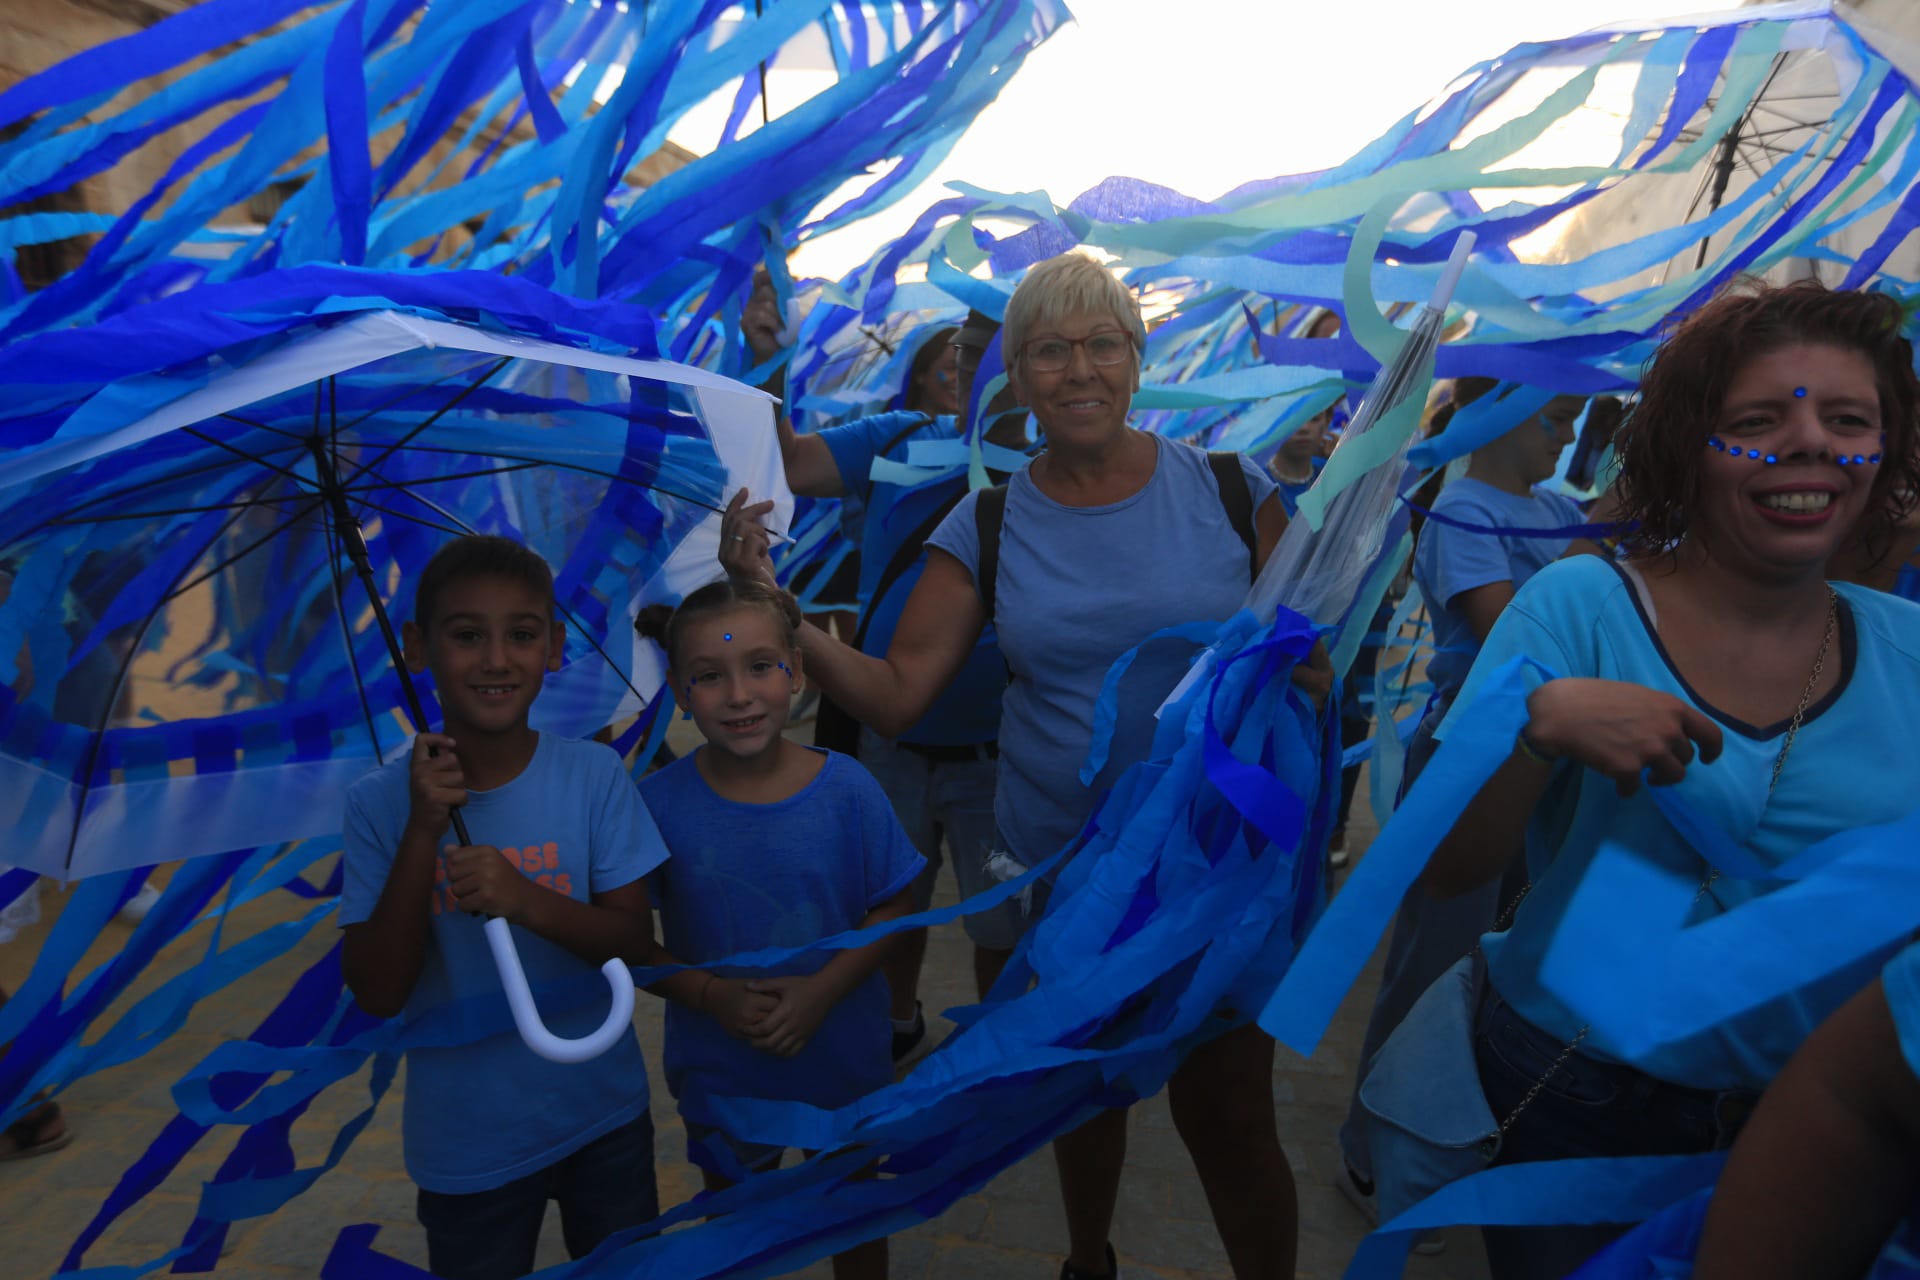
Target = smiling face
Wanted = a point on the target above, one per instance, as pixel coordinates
(1085, 403)
(936, 389)
(490, 643)
(736, 677)
(1805, 407)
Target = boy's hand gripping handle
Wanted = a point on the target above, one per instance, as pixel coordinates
(527, 1017)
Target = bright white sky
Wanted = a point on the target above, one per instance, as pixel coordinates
(1202, 95)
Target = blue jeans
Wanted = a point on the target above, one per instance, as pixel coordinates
(1429, 935)
(1585, 1107)
(950, 799)
(604, 1187)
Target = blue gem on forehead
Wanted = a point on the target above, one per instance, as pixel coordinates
(1799, 393)
(727, 636)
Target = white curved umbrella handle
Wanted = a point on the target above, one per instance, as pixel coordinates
(527, 1018)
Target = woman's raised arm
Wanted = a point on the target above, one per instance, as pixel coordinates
(938, 629)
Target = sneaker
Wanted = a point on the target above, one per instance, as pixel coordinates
(135, 909)
(914, 1043)
(1069, 1272)
(1359, 1192)
(1337, 855)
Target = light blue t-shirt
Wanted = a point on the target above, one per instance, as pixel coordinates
(1076, 588)
(1449, 561)
(1900, 980)
(481, 1115)
(744, 877)
(1852, 765)
(968, 711)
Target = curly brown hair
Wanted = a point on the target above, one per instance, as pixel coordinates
(1662, 443)
(665, 625)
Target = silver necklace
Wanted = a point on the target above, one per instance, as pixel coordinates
(1793, 725)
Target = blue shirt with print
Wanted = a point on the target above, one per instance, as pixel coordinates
(481, 1115)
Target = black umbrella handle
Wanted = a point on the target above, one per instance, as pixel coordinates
(356, 545)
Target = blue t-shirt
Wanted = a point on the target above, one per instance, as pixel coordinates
(744, 877)
(481, 1115)
(1451, 561)
(1852, 765)
(1076, 588)
(968, 711)
(1290, 491)
(1900, 980)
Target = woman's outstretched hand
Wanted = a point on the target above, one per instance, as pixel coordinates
(1620, 730)
(745, 543)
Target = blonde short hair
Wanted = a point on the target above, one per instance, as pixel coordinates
(1073, 283)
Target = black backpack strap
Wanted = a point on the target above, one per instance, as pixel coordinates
(919, 424)
(989, 513)
(904, 557)
(1236, 498)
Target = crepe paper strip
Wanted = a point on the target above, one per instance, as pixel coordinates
(1539, 1193)
(1332, 956)
(1560, 532)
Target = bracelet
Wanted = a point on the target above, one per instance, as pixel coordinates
(1530, 751)
(700, 1004)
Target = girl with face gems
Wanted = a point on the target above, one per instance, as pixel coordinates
(773, 845)
(1774, 428)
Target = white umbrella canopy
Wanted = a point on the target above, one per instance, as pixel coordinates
(178, 523)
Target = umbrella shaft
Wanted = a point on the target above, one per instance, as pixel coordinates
(356, 545)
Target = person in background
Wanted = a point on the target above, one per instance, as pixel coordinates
(773, 845)
(1109, 536)
(1715, 661)
(1466, 576)
(939, 772)
(1296, 464)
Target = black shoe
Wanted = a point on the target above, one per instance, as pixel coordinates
(1069, 1272)
(911, 1046)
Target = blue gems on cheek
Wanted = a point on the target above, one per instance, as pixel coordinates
(1734, 451)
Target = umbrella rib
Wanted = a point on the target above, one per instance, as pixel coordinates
(411, 518)
(570, 466)
(247, 550)
(278, 431)
(99, 732)
(412, 390)
(238, 505)
(256, 459)
(441, 479)
(118, 494)
(437, 414)
(565, 612)
(346, 632)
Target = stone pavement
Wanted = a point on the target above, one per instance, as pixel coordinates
(1013, 1230)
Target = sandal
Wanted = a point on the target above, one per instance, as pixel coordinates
(29, 1134)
